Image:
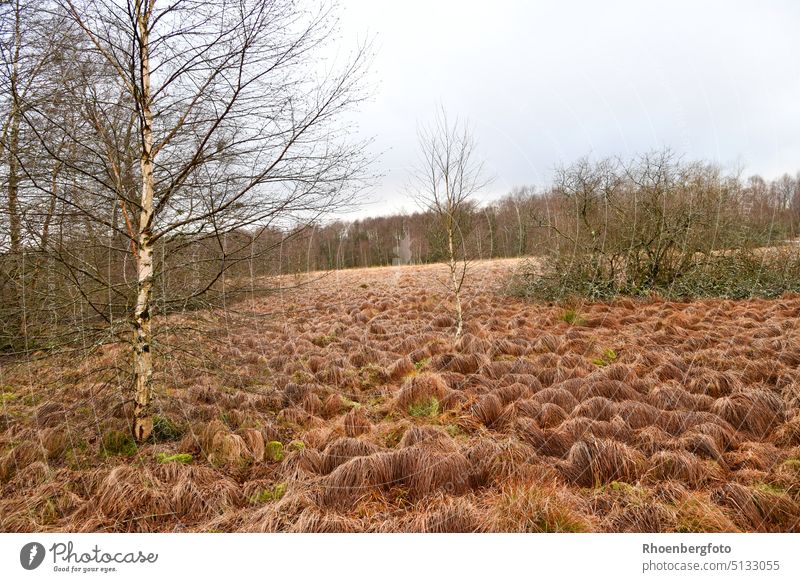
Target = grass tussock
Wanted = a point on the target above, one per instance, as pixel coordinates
(520, 508)
(423, 387)
(594, 462)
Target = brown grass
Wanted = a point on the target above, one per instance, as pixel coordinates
(594, 462)
(692, 426)
(421, 388)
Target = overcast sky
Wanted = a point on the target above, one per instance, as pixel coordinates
(544, 83)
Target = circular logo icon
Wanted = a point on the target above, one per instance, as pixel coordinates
(31, 555)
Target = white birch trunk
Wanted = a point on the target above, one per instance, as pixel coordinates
(142, 335)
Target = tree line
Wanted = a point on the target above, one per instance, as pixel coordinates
(530, 221)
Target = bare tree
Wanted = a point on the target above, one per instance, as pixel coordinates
(445, 181)
(198, 120)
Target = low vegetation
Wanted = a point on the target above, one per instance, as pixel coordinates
(630, 415)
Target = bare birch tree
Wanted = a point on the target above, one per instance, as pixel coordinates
(199, 119)
(446, 179)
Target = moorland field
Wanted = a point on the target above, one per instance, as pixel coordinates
(344, 403)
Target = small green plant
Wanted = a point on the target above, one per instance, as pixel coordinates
(572, 317)
(164, 429)
(794, 463)
(273, 493)
(274, 451)
(769, 488)
(347, 403)
(392, 438)
(182, 458)
(7, 397)
(322, 341)
(422, 364)
(427, 407)
(302, 377)
(622, 487)
(74, 455)
(371, 376)
(295, 445)
(609, 357)
(453, 430)
(117, 443)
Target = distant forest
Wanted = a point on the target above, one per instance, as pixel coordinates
(526, 221)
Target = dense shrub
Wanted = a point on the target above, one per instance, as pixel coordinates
(657, 224)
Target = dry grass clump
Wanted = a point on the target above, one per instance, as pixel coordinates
(446, 514)
(595, 462)
(680, 466)
(596, 407)
(132, 497)
(723, 435)
(697, 514)
(787, 475)
(755, 411)
(511, 392)
(459, 363)
(488, 409)
(342, 450)
(619, 372)
(421, 388)
(522, 508)
(713, 383)
(356, 422)
(516, 460)
(548, 443)
(551, 415)
(497, 369)
(294, 415)
(47, 505)
(674, 397)
(312, 520)
(471, 344)
(641, 517)
(312, 404)
(547, 343)
(637, 414)
(702, 445)
(481, 455)
(356, 478)
(254, 442)
(557, 395)
(20, 456)
(194, 498)
(50, 414)
(761, 508)
(431, 466)
(528, 408)
(788, 434)
(401, 368)
(334, 405)
(301, 464)
(443, 321)
(753, 455)
(418, 434)
(228, 450)
(610, 389)
(33, 475)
